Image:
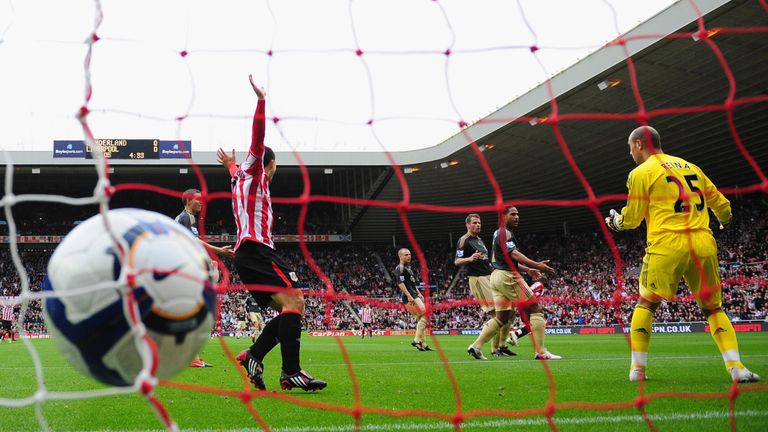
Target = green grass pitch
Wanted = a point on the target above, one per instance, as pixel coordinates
(393, 376)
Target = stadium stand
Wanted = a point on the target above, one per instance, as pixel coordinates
(586, 277)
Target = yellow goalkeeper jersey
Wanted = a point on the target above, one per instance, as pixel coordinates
(672, 195)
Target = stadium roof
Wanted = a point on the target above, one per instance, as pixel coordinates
(528, 161)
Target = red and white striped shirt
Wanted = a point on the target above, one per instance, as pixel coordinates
(366, 314)
(7, 312)
(251, 203)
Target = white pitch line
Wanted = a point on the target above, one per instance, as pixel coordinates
(495, 424)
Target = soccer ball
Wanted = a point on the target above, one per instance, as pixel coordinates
(171, 281)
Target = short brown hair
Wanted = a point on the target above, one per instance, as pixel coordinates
(470, 216)
(188, 195)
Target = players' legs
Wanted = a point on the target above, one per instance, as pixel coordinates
(492, 328)
(640, 334)
(659, 278)
(480, 288)
(419, 312)
(538, 327)
(505, 297)
(498, 339)
(703, 278)
(538, 324)
(291, 307)
(268, 339)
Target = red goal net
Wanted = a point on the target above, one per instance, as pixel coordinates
(368, 58)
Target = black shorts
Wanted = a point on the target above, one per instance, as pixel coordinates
(366, 325)
(6, 325)
(260, 264)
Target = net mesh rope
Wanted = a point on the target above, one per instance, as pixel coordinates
(146, 382)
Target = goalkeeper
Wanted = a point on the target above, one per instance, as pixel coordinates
(673, 196)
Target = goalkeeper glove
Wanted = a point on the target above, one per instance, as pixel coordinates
(613, 220)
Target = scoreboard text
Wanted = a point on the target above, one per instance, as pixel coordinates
(126, 149)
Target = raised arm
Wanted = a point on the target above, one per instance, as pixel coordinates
(228, 161)
(259, 119)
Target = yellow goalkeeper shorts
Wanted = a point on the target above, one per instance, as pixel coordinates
(672, 257)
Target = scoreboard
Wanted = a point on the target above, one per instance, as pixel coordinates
(126, 149)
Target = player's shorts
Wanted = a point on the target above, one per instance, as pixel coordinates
(367, 324)
(673, 257)
(480, 286)
(260, 265)
(416, 309)
(508, 289)
(242, 326)
(256, 319)
(6, 325)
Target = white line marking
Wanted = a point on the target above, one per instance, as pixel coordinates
(498, 424)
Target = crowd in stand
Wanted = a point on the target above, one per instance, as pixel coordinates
(218, 219)
(581, 293)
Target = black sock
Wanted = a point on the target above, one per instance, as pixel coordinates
(522, 331)
(267, 339)
(290, 341)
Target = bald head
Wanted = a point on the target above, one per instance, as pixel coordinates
(404, 255)
(646, 133)
(644, 142)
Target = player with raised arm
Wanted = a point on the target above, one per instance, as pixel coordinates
(509, 288)
(258, 263)
(411, 297)
(472, 254)
(191, 199)
(673, 196)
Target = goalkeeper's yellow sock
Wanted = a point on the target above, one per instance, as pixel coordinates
(725, 337)
(640, 336)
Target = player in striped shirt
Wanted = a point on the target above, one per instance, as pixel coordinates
(257, 261)
(6, 319)
(366, 316)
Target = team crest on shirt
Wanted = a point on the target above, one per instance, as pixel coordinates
(293, 276)
(510, 244)
(459, 253)
(402, 278)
